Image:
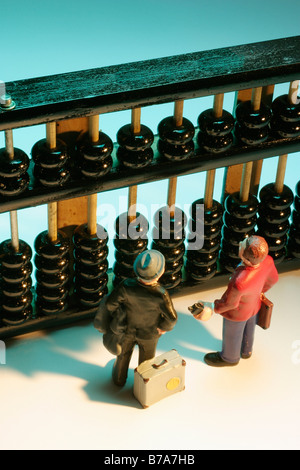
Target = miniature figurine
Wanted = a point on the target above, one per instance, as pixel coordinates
(241, 302)
(138, 311)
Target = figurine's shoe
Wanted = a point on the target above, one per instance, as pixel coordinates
(246, 356)
(215, 360)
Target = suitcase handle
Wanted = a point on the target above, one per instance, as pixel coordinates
(163, 363)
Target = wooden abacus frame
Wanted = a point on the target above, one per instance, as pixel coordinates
(69, 99)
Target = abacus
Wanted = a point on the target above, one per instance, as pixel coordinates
(75, 161)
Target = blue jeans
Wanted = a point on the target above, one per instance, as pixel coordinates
(238, 338)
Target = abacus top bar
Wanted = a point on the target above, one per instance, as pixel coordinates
(114, 88)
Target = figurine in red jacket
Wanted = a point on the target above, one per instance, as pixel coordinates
(241, 302)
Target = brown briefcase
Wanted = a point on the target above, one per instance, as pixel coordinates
(265, 313)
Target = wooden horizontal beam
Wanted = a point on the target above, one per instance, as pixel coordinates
(144, 83)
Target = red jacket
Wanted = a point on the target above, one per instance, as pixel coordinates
(242, 298)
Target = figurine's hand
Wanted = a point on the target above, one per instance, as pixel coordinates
(160, 332)
(206, 313)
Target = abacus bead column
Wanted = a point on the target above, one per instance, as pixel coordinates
(252, 127)
(286, 117)
(134, 149)
(14, 179)
(201, 263)
(239, 219)
(52, 273)
(15, 282)
(51, 165)
(169, 239)
(273, 222)
(176, 141)
(131, 239)
(91, 265)
(215, 133)
(294, 233)
(94, 158)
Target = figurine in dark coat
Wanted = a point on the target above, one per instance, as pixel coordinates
(241, 302)
(137, 312)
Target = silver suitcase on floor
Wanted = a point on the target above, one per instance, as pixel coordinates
(159, 377)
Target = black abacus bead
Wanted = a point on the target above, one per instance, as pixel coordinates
(250, 136)
(89, 242)
(51, 166)
(51, 250)
(215, 126)
(271, 199)
(135, 159)
(52, 273)
(201, 261)
(272, 230)
(199, 274)
(234, 238)
(16, 310)
(215, 145)
(128, 246)
(170, 253)
(211, 215)
(49, 159)
(135, 148)
(89, 274)
(12, 259)
(168, 238)
(51, 178)
(15, 282)
(237, 224)
(14, 179)
(274, 216)
(90, 256)
(130, 240)
(296, 220)
(176, 152)
(215, 133)
(14, 168)
(134, 141)
(227, 262)
(131, 229)
(169, 227)
(241, 209)
(239, 219)
(297, 203)
(252, 127)
(201, 258)
(173, 134)
(286, 121)
(176, 141)
(251, 119)
(95, 157)
(171, 280)
(14, 186)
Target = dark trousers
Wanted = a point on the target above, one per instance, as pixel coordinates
(238, 338)
(147, 350)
